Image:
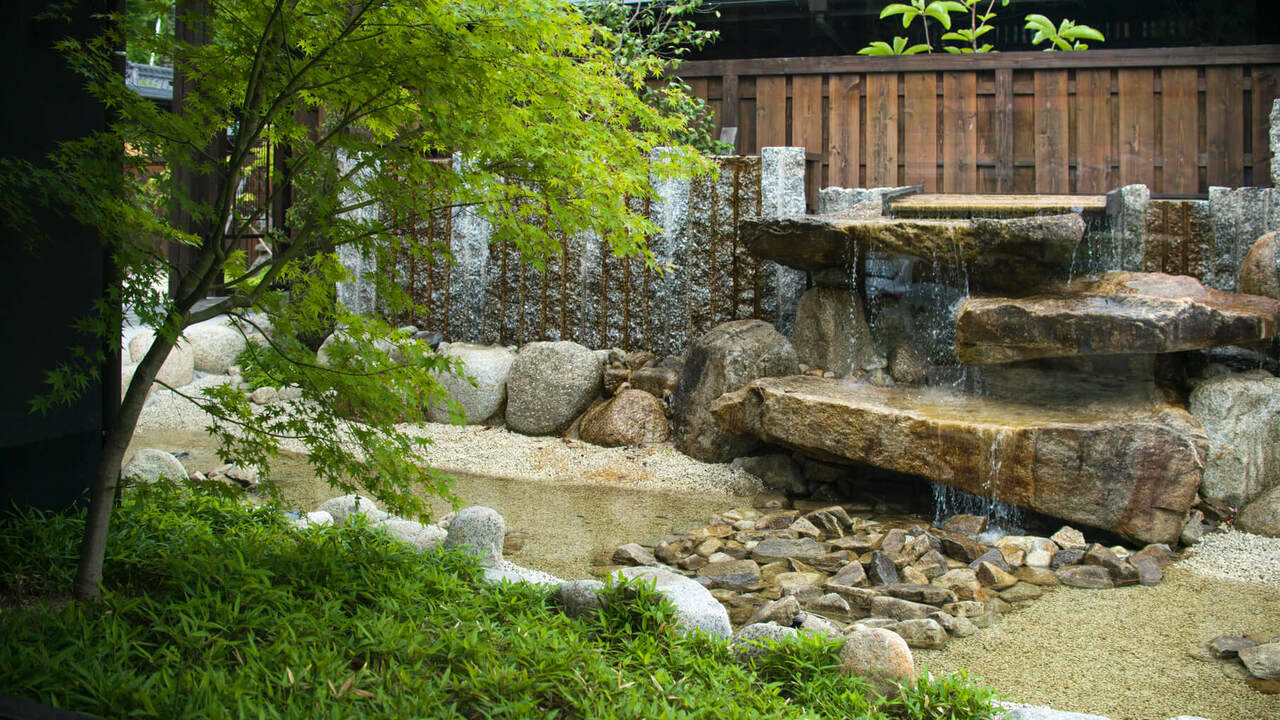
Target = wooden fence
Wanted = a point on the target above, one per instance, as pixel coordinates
(1177, 120)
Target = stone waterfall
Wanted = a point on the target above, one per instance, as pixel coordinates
(1060, 372)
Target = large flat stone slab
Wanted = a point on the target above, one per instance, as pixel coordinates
(1117, 313)
(813, 242)
(1113, 464)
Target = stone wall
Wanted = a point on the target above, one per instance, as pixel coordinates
(490, 295)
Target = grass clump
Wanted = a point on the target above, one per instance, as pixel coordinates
(216, 609)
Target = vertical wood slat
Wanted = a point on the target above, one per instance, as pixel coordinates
(1093, 131)
(960, 132)
(1137, 126)
(844, 145)
(1179, 149)
(920, 130)
(1265, 90)
(806, 112)
(1003, 129)
(729, 108)
(771, 111)
(1052, 172)
(882, 129)
(1224, 125)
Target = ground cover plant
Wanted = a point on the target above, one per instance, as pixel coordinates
(213, 608)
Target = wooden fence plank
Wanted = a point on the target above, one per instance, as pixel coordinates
(1137, 127)
(1093, 131)
(844, 145)
(771, 111)
(806, 113)
(1003, 129)
(1179, 148)
(1052, 172)
(747, 116)
(882, 129)
(920, 130)
(729, 108)
(1224, 126)
(960, 132)
(1264, 92)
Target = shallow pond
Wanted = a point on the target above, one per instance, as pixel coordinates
(565, 528)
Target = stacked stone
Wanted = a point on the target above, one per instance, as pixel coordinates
(829, 569)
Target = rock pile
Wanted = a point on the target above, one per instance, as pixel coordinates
(1254, 660)
(828, 569)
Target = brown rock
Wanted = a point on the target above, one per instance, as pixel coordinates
(962, 548)
(736, 575)
(1037, 576)
(1225, 647)
(1021, 592)
(1120, 312)
(770, 550)
(961, 581)
(783, 611)
(971, 525)
(993, 577)
(633, 554)
(1148, 569)
(1114, 464)
(833, 562)
(1069, 538)
(1085, 576)
(1260, 271)
(631, 417)
(880, 656)
(881, 571)
(851, 575)
(899, 609)
(921, 633)
(927, 594)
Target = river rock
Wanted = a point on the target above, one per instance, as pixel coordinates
(814, 242)
(631, 417)
(737, 575)
(490, 367)
(774, 549)
(178, 368)
(1240, 413)
(725, 359)
(783, 611)
(1263, 661)
(755, 641)
(831, 332)
(343, 507)
(921, 633)
(696, 609)
(633, 554)
(412, 533)
(880, 656)
(1225, 647)
(899, 609)
(578, 597)
(1069, 538)
(1262, 516)
(881, 571)
(1120, 312)
(550, 384)
(1260, 272)
(1089, 577)
(479, 530)
(214, 345)
(1116, 465)
(148, 465)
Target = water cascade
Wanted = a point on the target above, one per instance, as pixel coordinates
(1041, 391)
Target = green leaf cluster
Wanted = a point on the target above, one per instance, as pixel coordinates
(1066, 36)
(218, 609)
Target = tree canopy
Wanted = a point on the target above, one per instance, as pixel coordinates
(540, 131)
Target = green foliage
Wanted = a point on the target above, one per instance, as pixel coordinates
(1067, 36)
(650, 40)
(216, 609)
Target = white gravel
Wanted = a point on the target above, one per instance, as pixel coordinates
(1236, 556)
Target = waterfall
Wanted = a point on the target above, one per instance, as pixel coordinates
(1001, 516)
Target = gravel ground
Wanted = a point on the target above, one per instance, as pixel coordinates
(1134, 653)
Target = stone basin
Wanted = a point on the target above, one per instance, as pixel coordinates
(814, 242)
(1119, 312)
(1112, 463)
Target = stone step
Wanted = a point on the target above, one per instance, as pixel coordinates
(1117, 313)
(1110, 463)
(963, 205)
(815, 242)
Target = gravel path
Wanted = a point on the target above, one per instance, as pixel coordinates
(1134, 653)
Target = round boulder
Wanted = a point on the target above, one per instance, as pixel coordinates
(343, 507)
(1260, 272)
(214, 346)
(880, 656)
(756, 641)
(410, 532)
(579, 597)
(632, 417)
(178, 368)
(728, 357)
(696, 608)
(1262, 516)
(148, 465)
(550, 385)
(489, 366)
(480, 531)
